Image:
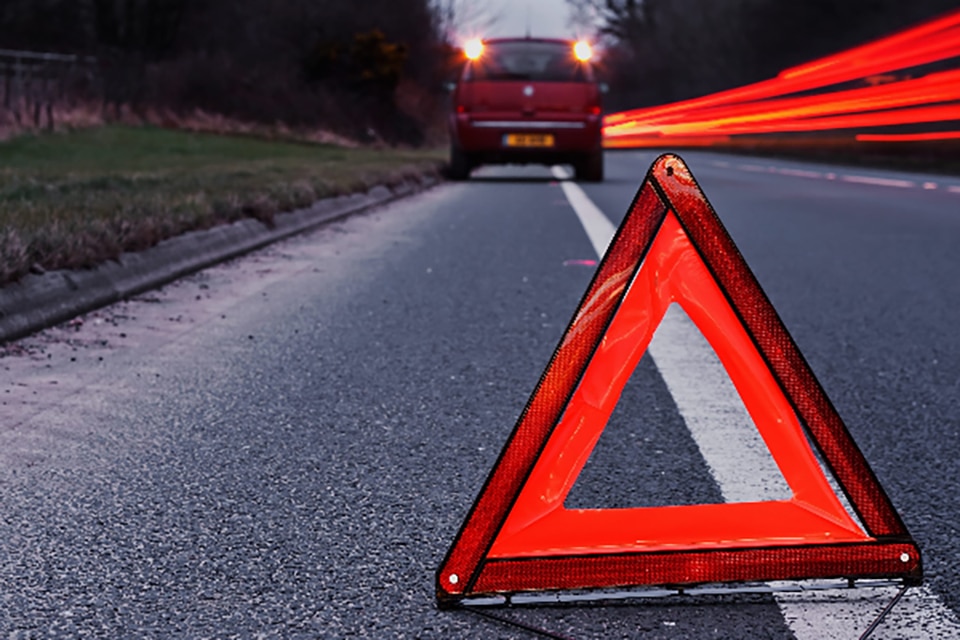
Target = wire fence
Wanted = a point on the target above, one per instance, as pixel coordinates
(33, 85)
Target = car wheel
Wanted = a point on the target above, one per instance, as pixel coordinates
(460, 165)
(590, 169)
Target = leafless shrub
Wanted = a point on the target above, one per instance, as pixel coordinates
(664, 50)
(14, 259)
(254, 61)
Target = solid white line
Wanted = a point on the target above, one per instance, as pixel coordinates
(677, 349)
(598, 227)
(721, 428)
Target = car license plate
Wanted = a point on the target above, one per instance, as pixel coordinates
(528, 140)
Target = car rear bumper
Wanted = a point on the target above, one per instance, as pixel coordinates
(484, 140)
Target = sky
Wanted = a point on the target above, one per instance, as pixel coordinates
(547, 18)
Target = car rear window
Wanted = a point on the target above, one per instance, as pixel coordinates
(530, 61)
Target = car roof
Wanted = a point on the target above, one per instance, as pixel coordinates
(527, 39)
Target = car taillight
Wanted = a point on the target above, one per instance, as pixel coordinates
(462, 108)
(594, 110)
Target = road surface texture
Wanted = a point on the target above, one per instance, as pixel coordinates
(285, 445)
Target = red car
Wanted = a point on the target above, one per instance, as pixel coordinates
(527, 100)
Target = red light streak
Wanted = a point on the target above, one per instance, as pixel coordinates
(935, 88)
(896, 43)
(769, 108)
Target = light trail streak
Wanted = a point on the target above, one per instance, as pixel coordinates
(772, 106)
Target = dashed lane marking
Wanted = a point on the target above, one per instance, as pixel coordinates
(800, 173)
(880, 182)
(897, 183)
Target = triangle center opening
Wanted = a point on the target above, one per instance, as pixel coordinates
(679, 435)
(793, 502)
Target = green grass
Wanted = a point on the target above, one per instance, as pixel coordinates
(74, 200)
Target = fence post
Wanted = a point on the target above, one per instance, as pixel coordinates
(48, 95)
(18, 84)
(7, 80)
(35, 97)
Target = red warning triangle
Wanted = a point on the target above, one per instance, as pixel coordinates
(672, 249)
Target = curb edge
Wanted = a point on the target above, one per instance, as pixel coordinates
(40, 301)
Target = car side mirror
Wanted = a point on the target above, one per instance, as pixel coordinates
(604, 87)
(449, 87)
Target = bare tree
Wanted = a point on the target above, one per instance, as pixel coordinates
(457, 19)
(627, 21)
(665, 50)
(301, 62)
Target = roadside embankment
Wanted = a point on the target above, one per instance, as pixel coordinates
(92, 217)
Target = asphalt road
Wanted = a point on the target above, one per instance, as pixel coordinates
(285, 445)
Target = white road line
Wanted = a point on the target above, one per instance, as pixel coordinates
(880, 182)
(677, 346)
(800, 173)
(721, 428)
(598, 227)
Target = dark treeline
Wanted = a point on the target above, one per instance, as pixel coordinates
(667, 50)
(368, 68)
(375, 68)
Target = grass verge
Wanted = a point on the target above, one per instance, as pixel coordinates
(77, 199)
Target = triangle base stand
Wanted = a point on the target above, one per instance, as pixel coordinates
(483, 606)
